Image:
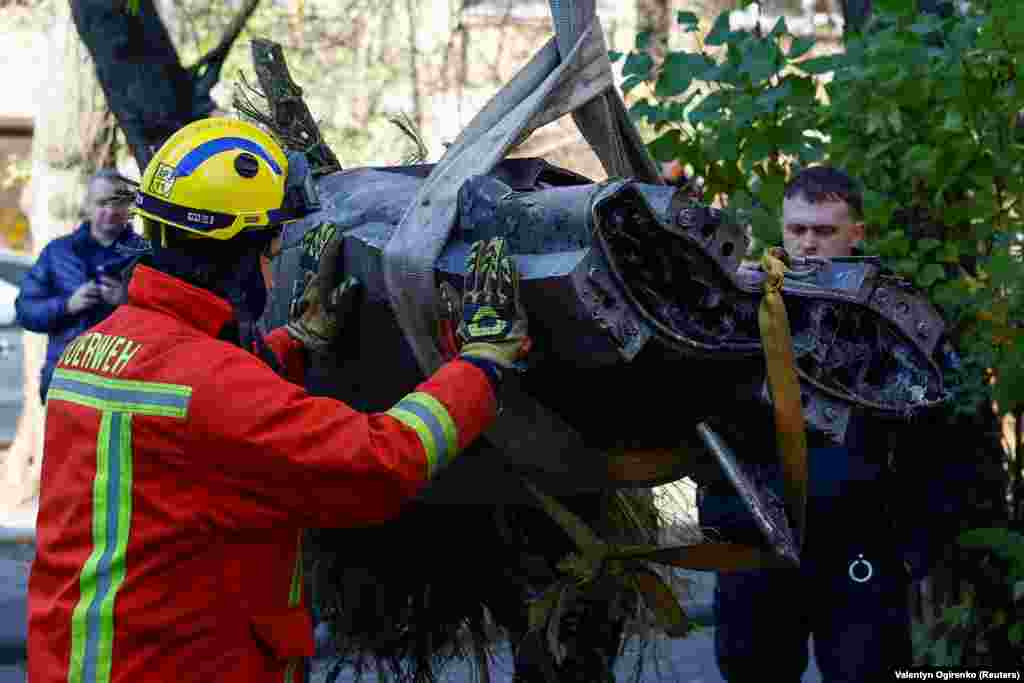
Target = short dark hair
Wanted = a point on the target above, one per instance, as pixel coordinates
(826, 183)
(106, 175)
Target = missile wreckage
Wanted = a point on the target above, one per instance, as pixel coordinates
(635, 294)
(646, 325)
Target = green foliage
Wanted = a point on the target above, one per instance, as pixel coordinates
(737, 115)
(923, 110)
(926, 112)
(347, 57)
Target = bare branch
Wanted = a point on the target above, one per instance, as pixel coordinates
(231, 33)
(290, 119)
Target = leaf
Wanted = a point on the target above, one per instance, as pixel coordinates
(928, 244)
(768, 99)
(905, 266)
(1015, 634)
(555, 647)
(675, 78)
(950, 253)
(779, 29)
(760, 60)
(929, 275)
(954, 121)
(771, 190)
(667, 147)
(818, 65)
(689, 20)
(581, 534)
(652, 466)
(875, 122)
(799, 47)
(539, 610)
(1004, 542)
(708, 556)
(709, 108)
(638, 64)
(1003, 268)
(895, 119)
(720, 32)
(1018, 590)
(920, 159)
(895, 6)
(662, 602)
(643, 109)
(804, 87)
(630, 83)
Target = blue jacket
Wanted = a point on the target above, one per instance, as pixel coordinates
(66, 264)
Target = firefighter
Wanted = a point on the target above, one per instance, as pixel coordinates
(180, 468)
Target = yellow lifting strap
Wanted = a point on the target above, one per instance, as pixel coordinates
(790, 434)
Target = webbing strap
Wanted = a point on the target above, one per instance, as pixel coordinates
(570, 74)
(790, 432)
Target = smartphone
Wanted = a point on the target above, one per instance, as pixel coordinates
(108, 271)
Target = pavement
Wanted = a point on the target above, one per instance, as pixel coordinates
(16, 524)
(686, 660)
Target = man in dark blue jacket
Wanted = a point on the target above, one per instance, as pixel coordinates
(77, 281)
(867, 536)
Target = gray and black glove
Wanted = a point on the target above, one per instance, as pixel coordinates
(317, 318)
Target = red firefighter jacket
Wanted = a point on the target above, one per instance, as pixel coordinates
(177, 474)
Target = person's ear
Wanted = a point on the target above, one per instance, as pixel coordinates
(857, 231)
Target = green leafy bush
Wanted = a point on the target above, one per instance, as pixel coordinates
(923, 110)
(926, 112)
(737, 120)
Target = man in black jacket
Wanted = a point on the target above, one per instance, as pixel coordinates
(867, 536)
(77, 281)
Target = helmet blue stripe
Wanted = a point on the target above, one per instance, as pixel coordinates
(193, 159)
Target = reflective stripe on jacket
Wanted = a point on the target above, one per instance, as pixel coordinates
(178, 473)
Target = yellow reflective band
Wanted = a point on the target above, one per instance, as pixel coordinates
(118, 395)
(440, 413)
(103, 574)
(295, 595)
(92, 621)
(294, 599)
(416, 423)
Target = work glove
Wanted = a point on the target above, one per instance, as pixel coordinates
(317, 318)
(492, 323)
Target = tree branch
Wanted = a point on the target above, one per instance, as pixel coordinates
(205, 73)
(289, 117)
(138, 68)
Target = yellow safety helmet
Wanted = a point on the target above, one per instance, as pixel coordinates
(216, 178)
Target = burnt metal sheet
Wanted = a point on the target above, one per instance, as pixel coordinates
(766, 509)
(602, 361)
